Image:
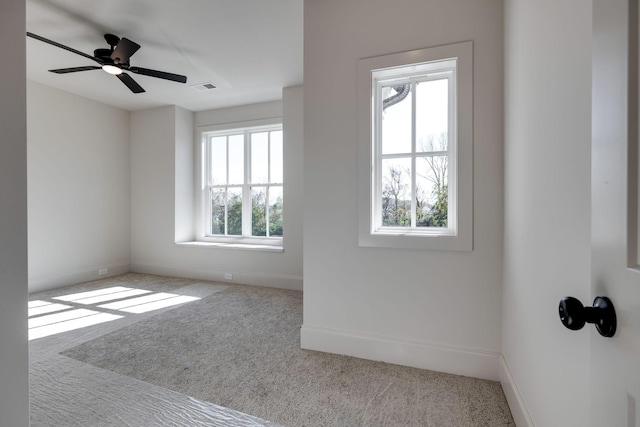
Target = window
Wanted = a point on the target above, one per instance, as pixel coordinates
(242, 185)
(415, 149)
(414, 146)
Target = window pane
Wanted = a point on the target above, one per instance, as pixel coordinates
(258, 211)
(218, 197)
(432, 115)
(432, 191)
(236, 159)
(276, 157)
(260, 157)
(234, 211)
(396, 119)
(396, 192)
(219, 160)
(234, 198)
(275, 211)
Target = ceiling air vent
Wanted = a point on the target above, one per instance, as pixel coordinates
(203, 87)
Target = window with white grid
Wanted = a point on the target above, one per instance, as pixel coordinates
(242, 185)
(416, 149)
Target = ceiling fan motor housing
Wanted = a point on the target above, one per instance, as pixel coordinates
(103, 54)
(112, 40)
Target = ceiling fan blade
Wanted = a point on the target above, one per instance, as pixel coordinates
(130, 83)
(124, 50)
(74, 69)
(159, 74)
(70, 49)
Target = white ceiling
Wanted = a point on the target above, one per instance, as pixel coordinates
(249, 49)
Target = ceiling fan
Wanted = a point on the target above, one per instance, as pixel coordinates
(114, 60)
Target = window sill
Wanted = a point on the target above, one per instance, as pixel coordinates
(233, 246)
(399, 232)
(462, 243)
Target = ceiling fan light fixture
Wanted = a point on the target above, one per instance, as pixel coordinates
(112, 69)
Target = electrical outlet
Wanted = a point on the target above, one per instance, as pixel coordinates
(228, 276)
(103, 271)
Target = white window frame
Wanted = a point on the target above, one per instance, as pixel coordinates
(418, 65)
(203, 190)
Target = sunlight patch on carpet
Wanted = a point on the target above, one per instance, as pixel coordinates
(102, 295)
(70, 325)
(149, 303)
(47, 307)
(50, 317)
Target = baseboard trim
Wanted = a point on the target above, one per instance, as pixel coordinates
(519, 410)
(91, 273)
(245, 278)
(449, 359)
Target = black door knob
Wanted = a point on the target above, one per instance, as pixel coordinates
(574, 315)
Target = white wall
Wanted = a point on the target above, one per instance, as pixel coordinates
(547, 204)
(431, 309)
(14, 369)
(153, 141)
(162, 175)
(78, 155)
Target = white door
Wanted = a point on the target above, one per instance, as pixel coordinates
(615, 362)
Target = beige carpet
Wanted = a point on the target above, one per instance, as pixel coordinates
(67, 393)
(239, 348)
